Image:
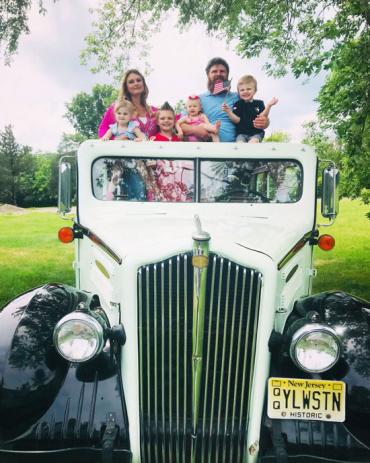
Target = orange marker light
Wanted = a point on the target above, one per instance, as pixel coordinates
(326, 242)
(66, 235)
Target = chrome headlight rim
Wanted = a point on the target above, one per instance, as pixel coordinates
(85, 318)
(309, 329)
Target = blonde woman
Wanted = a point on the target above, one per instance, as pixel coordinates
(135, 90)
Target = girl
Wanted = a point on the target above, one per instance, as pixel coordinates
(135, 90)
(196, 117)
(166, 118)
(124, 128)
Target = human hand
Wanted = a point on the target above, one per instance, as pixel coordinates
(273, 101)
(225, 107)
(180, 134)
(106, 137)
(261, 122)
(138, 139)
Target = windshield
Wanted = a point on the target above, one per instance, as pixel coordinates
(175, 180)
(251, 181)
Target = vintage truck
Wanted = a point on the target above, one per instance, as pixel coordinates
(191, 335)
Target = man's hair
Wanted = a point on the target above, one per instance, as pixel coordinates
(214, 62)
(248, 79)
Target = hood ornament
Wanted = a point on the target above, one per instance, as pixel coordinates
(200, 263)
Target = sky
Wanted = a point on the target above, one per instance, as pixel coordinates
(46, 74)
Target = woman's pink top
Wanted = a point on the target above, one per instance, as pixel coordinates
(148, 128)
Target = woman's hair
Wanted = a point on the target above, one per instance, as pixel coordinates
(165, 107)
(247, 79)
(124, 93)
(124, 104)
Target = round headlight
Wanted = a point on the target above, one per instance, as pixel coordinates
(78, 337)
(315, 348)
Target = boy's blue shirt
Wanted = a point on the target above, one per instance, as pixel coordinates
(211, 106)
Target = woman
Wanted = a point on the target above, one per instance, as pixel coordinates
(134, 89)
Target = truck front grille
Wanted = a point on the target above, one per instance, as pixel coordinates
(165, 299)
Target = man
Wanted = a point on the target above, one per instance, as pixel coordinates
(217, 70)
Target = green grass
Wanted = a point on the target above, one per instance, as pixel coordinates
(30, 253)
(347, 266)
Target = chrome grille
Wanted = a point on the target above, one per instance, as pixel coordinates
(165, 299)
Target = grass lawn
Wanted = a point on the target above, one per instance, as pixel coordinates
(30, 253)
(347, 266)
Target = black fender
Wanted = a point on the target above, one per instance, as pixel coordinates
(349, 316)
(47, 403)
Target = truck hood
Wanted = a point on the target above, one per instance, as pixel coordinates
(163, 234)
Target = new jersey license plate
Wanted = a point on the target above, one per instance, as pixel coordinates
(306, 399)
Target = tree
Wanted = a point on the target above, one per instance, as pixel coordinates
(14, 159)
(85, 110)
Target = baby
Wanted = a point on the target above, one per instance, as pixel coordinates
(124, 128)
(246, 110)
(196, 117)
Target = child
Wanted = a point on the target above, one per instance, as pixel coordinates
(124, 128)
(165, 117)
(246, 109)
(196, 117)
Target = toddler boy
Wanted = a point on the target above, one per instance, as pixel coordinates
(246, 109)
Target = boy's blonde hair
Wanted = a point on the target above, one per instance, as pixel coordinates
(125, 104)
(248, 79)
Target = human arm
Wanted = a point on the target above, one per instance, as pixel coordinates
(106, 121)
(178, 128)
(107, 136)
(232, 116)
(139, 135)
(268, 107)
(196, 130)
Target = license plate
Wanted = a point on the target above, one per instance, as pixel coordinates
(306, 399)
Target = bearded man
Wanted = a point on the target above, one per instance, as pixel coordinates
(217, 71)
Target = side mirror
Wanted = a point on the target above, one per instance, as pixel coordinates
(330, 192)
(65, 188)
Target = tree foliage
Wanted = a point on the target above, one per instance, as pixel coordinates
(26, 179)
(85, 110)
(14, 15)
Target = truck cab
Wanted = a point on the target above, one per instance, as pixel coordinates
(191, 334)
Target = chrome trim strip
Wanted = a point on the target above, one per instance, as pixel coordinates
(208, 354)
(215, 357)
(178, 359)
(238, 357)
(186, 311)
(99, 242)
(162, 369)
(230, 360)
(245, 357)
(155, 360)
(170, 350)
(293, 251)
(140, 316)
(227, 310)
(148, 355)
